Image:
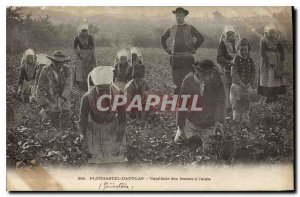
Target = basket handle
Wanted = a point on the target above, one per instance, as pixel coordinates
(218, 133)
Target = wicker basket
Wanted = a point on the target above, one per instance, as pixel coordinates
(223, 147)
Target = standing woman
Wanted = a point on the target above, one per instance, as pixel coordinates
(84, 48)
(271, 80)
(226, 52)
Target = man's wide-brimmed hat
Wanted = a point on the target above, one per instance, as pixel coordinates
(181, 10)
(206, 65)
(59, 56)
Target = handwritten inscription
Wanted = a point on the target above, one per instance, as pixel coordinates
(114, 186)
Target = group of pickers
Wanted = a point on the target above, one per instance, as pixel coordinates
(49, 81)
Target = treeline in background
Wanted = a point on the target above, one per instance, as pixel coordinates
(26, 29)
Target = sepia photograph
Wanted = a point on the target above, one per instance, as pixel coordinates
(150, 98)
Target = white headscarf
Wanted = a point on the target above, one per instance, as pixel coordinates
(137, 52)
(42, 58)
(101, 75)
(229, 47)
(269, 27)
(30, 69)
(228, 28)
(25, 55)
(122, 53)
(82, 27)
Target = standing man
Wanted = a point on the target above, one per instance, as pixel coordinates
(183, 46)
(84, 48)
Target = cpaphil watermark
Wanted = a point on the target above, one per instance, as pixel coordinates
(150, 102)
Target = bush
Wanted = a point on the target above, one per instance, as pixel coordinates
(40, 33)
(25, 32)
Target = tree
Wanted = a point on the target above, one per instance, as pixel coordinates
(13, 15)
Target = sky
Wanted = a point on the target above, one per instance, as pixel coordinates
(129, 12)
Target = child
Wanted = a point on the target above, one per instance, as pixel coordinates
(242, 73)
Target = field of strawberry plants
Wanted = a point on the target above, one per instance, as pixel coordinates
(269, 138)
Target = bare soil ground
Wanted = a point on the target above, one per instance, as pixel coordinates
(268, 139)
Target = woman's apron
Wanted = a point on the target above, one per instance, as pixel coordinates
(28, 89)
(84, 65)
(226, 77)
(122, 75)
(267, 77)
(101, 140)
(120, 84)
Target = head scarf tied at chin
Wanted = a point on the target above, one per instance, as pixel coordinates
(230, 28)
(135, 50)
(82, 27)
(270, 27)
(231, 48)
(101, 75)
(30, 69)
(122, 53)
(26, 54)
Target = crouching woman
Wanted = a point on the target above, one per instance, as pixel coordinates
(27, 76)
(103, 129)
